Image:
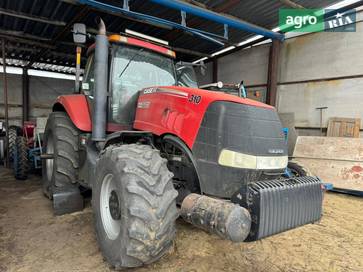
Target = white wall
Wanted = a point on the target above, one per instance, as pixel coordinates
(307, 57)
(344, 98)
(322, 55)
(250, 65)
(42, 93)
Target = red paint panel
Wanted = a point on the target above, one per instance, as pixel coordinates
(174, 110)
(77, 109)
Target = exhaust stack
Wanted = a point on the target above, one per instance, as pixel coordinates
(221, 217)
(101, 77)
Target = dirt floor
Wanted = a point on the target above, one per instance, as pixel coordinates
(32, 239)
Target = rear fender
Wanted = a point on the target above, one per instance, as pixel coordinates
(76, 106)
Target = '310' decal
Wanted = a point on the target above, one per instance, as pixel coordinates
(195, 99)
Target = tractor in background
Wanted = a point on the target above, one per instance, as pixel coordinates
(26, 150)
(152, 146)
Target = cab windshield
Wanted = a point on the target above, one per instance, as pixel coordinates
(135, 68)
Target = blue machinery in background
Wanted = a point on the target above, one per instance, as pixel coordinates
(184, 9)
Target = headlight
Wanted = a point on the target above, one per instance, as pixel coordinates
(240, 160)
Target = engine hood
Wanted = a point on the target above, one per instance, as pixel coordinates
(211, 96)
(180, 110)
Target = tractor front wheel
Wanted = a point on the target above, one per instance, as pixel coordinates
(298, 170)
(134, 205)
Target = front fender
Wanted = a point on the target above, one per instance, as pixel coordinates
(76, 106)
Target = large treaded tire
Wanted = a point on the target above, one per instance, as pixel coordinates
(21, 162)
(298, 170)
(14, 132)
(147, 200)
(61, 140)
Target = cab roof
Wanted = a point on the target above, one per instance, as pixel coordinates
(139, 43)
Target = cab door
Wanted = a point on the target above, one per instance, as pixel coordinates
(88, 86)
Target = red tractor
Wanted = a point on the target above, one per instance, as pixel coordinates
(152, 147)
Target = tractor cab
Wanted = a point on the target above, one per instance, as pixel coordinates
(134, 65)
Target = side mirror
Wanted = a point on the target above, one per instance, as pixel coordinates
(203, 68)
(79, 33)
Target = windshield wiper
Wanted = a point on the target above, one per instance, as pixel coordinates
(133, 57)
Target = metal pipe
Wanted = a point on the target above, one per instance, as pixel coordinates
(78, 69)
(273, 67)
(25, 93)
(5, 86)
(219, 18)
(100, 92)
(215, 70)
(226, 219)
(148, 19)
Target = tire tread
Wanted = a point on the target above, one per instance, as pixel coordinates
(151, 203)
(21, 162)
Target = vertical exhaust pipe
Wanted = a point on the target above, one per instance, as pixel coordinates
(101, 78)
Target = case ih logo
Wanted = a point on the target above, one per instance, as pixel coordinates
(149, 90)
(275, 151)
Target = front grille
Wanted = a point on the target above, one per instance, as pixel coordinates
(241, 128)
(280, 205)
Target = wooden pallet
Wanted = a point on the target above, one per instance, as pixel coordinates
(343, 127)
(335, 160)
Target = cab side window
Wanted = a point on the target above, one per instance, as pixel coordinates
(88, 78)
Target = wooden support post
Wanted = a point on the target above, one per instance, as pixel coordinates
(273, 69)
(25, 95)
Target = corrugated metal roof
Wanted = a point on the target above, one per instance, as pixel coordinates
(51, 43)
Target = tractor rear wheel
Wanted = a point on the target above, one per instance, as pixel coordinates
(20, 159)
(61, 142)
(14, 132)
(133, 199)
